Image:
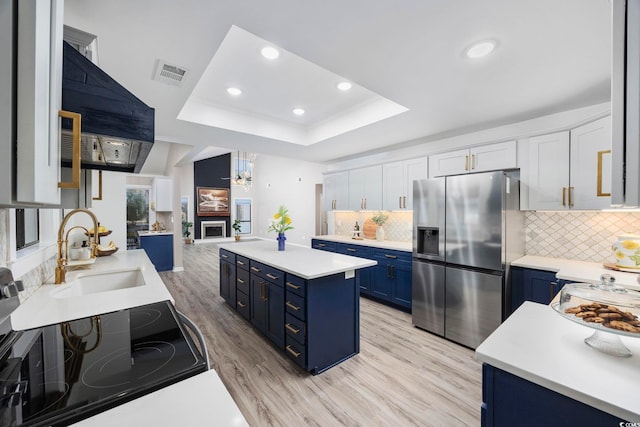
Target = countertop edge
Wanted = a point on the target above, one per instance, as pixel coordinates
(488, 351)
(355, 262)
(384, 244)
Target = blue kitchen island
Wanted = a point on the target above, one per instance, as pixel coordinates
(305, 301)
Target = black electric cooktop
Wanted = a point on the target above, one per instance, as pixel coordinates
(60, 374)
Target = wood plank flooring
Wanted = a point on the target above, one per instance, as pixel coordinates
(402, 376)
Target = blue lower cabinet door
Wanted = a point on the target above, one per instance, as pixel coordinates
(258, 307)
(275, 314)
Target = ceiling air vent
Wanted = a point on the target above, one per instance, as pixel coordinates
(168, 73)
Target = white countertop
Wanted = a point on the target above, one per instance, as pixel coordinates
(196, 401)
(577, 271)
(385, 244)
(539, 345)
(42, 308)
(299, 260)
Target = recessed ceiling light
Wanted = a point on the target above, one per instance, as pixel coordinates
(344, 86)
(298, 111)
(480, 49)
(270, 52)
(234, 91)
(117, 143)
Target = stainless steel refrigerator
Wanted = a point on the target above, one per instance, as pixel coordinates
(466, 231)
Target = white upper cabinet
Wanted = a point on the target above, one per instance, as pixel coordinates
(365, 188)
(571, 169)
(397, 182)
(163, 194)
(39, 85)
(30, 98)
(590, 165)
(548, 179)
(335, 191)
(498, 156)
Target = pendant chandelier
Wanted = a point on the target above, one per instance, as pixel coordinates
(244, 170)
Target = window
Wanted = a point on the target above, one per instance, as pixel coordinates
(243, 213)
(137, 214)
(27, 228)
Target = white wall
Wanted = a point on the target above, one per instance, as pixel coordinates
(112, 209)
(282, 181)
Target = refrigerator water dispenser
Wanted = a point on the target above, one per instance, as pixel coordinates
(428, 240)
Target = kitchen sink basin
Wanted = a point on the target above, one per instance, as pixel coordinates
(101, 282)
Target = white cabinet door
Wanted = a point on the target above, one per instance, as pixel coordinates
(365, 188)
(164, 194)
(393, 185)
(335, 191)
(549, 171)
(414, 169)
(591, 165)
(451, 163)
(491, 157)
(39, 88)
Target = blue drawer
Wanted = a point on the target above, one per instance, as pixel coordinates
(273, 275)
(227, 256)
(295, 305)
(242, 262)
(242, 280)
(295, 284)
(295, 328)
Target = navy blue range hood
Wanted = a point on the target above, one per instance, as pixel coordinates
(117, 128)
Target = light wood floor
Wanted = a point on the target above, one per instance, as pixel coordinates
(402, 376)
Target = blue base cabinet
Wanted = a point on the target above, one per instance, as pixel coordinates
(228, 277)
(267, 301)
(533, 285)
(159, 249)
(388, 282)
(315, 322)
(391, 278)
(509, 400)
(322, 320)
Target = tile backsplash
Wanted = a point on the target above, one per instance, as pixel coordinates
(582, 236)
(398, 227)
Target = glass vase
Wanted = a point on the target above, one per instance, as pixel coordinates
(281, 239)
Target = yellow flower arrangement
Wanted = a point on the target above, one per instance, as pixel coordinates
(281, 221)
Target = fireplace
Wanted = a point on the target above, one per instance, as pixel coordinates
(213, 230)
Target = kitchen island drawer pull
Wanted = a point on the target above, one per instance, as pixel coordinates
(292, 329)
(291, 285)
(391, 256)
(352, 250)
(321, 245)
(239, 262)
(257, 270)
(272, 277)
(291, 306)
(240, 281)
(241, 304)
(292, 351)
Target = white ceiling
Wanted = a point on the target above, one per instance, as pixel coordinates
(553, 55)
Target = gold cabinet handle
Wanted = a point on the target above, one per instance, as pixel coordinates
(291, 285)
(241, 304)
(99, 187)
(240, 280)
(239, 262)
(75, 153)
(564, 196)
(473, 158)
(321, 245)
(466, 163)
(400, 202)
(292, 329)
(599, 192)
(352, 250)
(224, 256)
(263, 291)
(291, 306)
(272, 277)
(292, 351)
(404, 202)
(257, 270)
(570, 197)
(391, 256)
